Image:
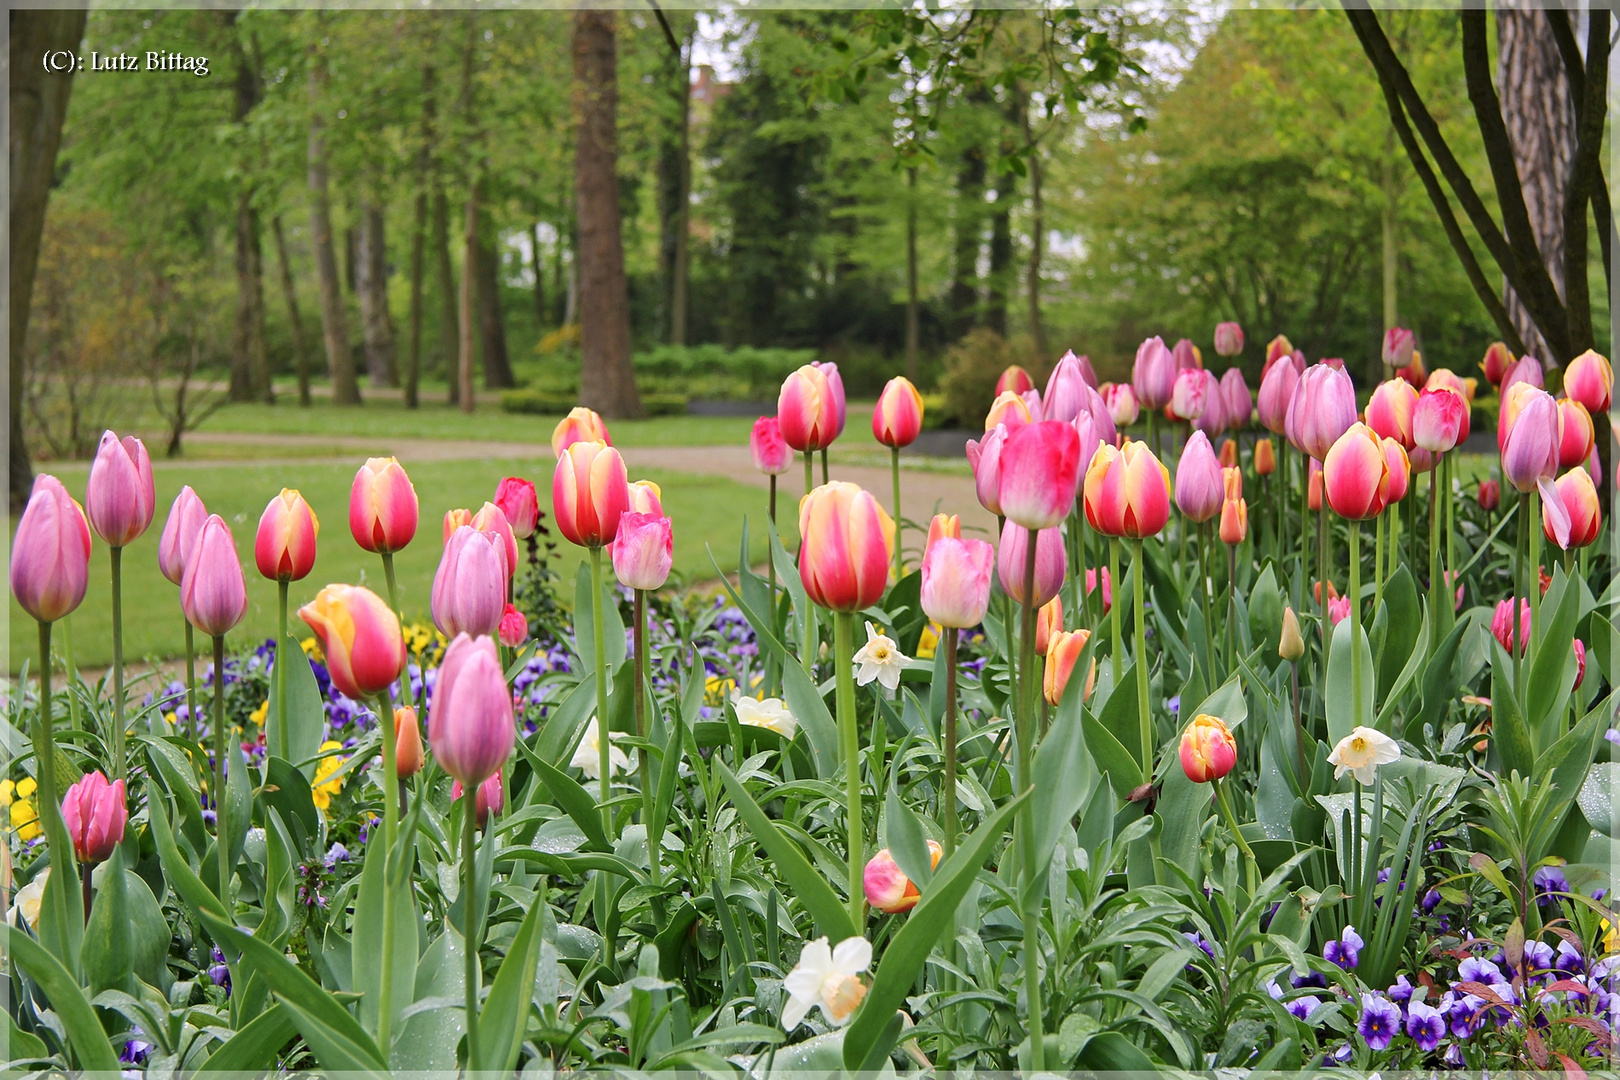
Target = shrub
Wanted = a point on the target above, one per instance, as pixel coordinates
(972, 367)
(533, 401)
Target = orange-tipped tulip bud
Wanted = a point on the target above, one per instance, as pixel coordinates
(1265, 458)
(772, 455)
(1234, 521)
(1127, 492)
(1578, 436)
(1208, 750)
(1048, 619)
(1014, 379)
(213, 594)
(1291, 644)
(455, 519)
(1356, 475)
(1062, 653)
(1008, 409)
(897, 419)
(1590, 380)
(520, 503)
(1051, 565)
(284, 547)
(1400, 471)
(1389, 411)
(95, 813)
(407, 742)
(471, 727)
(360, 636)
(644, 551)
(1198, 480)
(646, 497)
(383, 510)
(120, 499)
(1579, 499)
(806, 409)
(846, 541)
(1040, 467)
(956, 578)
(886, 885)
(180, 533)
(1498, 359)
(580, 425)
(1228, 456)
(50, 555)
(943, 527)
(589, 492)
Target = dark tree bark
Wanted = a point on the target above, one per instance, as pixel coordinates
(469, 300)
(334, 319)
(491, 324)
(290, 294)
(969, 231)
(250, 361)
(537, 264)
(419, 225)
(913, 307)
(39, 101)
(607, 380)
(1037, 233)
(1001, 253)
(674, 185)
(444, 276)
(371, 286)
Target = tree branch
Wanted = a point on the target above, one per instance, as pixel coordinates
(669, 34)
(1570, 50)
(1586, 164)
(1486, 292)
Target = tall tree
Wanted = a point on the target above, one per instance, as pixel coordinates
(371, 288)
(334, 319)
(294, 320)
(491, 324)
(675, 179)
(607, 380)
(39, 101)
(968, 226)
(250, 362)
(419, 226)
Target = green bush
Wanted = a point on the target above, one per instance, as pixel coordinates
(716, 372)
(535, 402)
(972, 367)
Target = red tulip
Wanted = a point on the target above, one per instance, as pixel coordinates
(180, 532)
(589, 492)
(520, 503)
(1496, 363)
(1578, 498)
(1590, 380)
(365, 652)
(1389, 411)
(1502, 625)
(284, 548)
(1040, 466)
(213, 593)
(1578, 437)
(806, 410)
(644, 551)
(383, 511)
(580, 425)
(1323, 409)
(1051, 565)
(1580, 663)
(1015, 379)
(471, 727)
(120, 499)
(469, 589)
(845, 548)
(50, 555)
(95, 813)
(1490, 495)
(1228, 339)
(772, 455)
(1153, 376)
(956, 580)
(897, 419)
(1127, 492)
(1198, 480)
(1208, 750)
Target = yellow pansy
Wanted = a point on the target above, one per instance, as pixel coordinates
(928, 642)
(323, 788)
(717, 689)
(25, 819)
(311, 647)
(26, 787)
(258, 715)
(7, 790)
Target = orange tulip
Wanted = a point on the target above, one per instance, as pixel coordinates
(1265, 458)
(1062, 653)
(407, 742)
(1127, 492)
(1234, 521)
(589, 492)
(1048, 619)
(1229, 453)
(846, 546)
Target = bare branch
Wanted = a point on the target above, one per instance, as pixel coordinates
(1587, 163)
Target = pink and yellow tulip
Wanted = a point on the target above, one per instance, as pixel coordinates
(360, 636)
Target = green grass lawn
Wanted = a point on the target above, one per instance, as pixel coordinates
(707, 511)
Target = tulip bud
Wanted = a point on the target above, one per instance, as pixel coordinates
(120, 498)
(456, 519)
(1323, 408)
(1066, 396)
(771, 453)
(886, 886)
(1062, 653)
(1490, 495)
(1228, 339)
(1590, 380)
(1040, 467)
(1313, 496)
(1189, 394)
(1120, 400)
(580, 425)
(383, 510)
(1010, 410)
(213, 593)
(514, 629)
(943, 527)
(1580, 663)
(180, 532)
(1389, 411)
(491, 798)
(1292, 644)
(469, 588)
(284, 548)
(408, 756)
(1187, 355)
(365, 651)
(589, 492)
(1234, 521)
(471, 727)
(1127, 492)
(643, 552)
(1578, 499)
(1578, 437)
(1198, 480)
(1439, 419)
(1265, 458)
(50, 555)
(520, 503)
(806, 411)
(1014, 379)
(1502, 625)
(95, 813)
(1529, 436)
(956, 579)
(1356, 474)
(984, 457)
(1048, 619)
(646, 497)
(1107, 587)
(1051, 566)
(1208, 750)
(1497, 361)
(1278, 348)
(1153, 376)
(1400, 471)
(1398, 345)
(845, 548)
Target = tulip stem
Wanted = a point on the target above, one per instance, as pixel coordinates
(1253, 872)
(1532, 519)
(469, 848)
(603, 741)
(1025, 740)
(393, 586)
(1451, 520)
(1357, 698)
(770, 568)
(824, 465)
(849, 735)
(48, 804)
(278, 744)
(221, 835)
(1231, 609)
(117, 555)
(1113, 611)
(948, 790)
(1144, 714)
(390, 770)
(809, 477)
(640, 676)
(1436, 588)
(899, 529)
(191, 681)
(1378, 564)
(1302, 582)
(1520, 595)
(71, 669)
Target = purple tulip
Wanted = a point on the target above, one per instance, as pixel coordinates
(1199, 486)
(1237, 399)
(1323, 408)
(50, 555)
(470, 722)
(1153, 376)
(1051, 566)
(1064, 397)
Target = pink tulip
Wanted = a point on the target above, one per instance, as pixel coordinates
(1578, 498)
(897, 419)
(284, 546)
(1198, 480)
(491, 798)
(514, 629)
(1051, 564)
(589, 492)
(471, 727)
(1496, 363)
(1101, 418)
(1578, 438)
(1040, 466)
(50, 555)
(1590, 380)
(644, 551)
(1015, 379)
(806, 410)
(1526, 370)
(1389, 411)
(1580, 663)
(1121, 401)
(580, 425)
(213, 593)
(1064, 390)
(95, 813)
(1187, 355)
(984, 457)
(1212, 421)
(1228, 339)
(1398, 346)
(1420, 459)
(180, 532)
(491, 520)
(120, 498)
(520, 503)
(360, 637)
(1437, 419)
(1153, 376)
(1276, 392)
(383, 510)
(771, 453)
(1323, 409)
(1236, 399)
(469, 589)
(1400, 470)
(835, 388)
(956, 581)
(886, 886)
(846, 547)
(1127, 492)
(1087, 372)
(1594, 468)
(1338, 609)
(1085, 428)
(1355, 475)
(1107, 587)
(1530, 442)
(1490, 495)
(1502, 625)
(1009, 409)
(1189, 393)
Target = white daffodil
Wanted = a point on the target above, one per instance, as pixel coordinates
(829, 978)
(29, 897)
(880, 658)
(588, 755)
(770, 713)
(1361, 752)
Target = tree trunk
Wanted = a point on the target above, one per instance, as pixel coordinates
(300, 357)
(969, 234)
(445, 284)
(39, 101)
(1001, 254)
(469, 287)
(539, 267)
(1541, 126)
(419, 225)
(334, 319)
(491, 325)
(1037, 238)
(371, 286)
(674, 186)
(913, 314)
(607, 381)
(250, 362)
